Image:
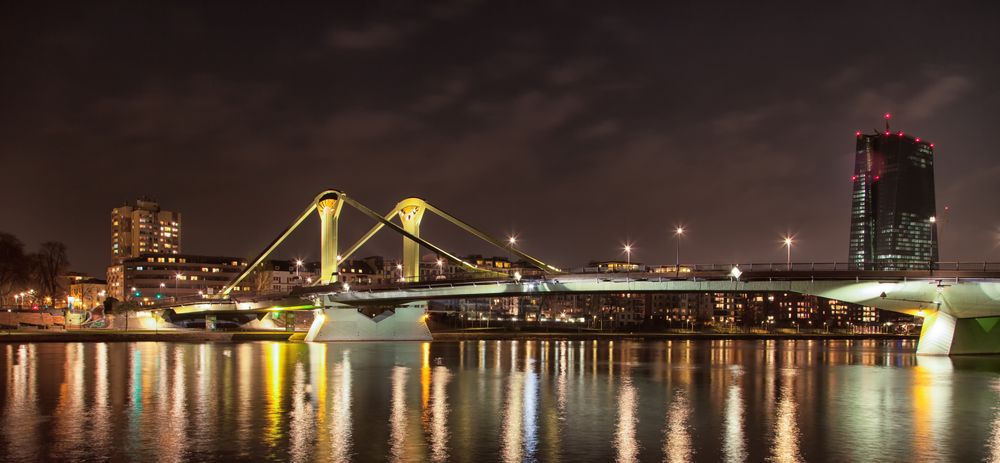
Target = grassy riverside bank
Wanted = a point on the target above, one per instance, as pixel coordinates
(23, 336)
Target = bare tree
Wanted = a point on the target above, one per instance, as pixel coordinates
(261, 278)
(48, 264)
(13, 266)
(126, 308)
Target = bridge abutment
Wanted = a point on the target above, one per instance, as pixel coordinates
(944, 334)
(345, 323)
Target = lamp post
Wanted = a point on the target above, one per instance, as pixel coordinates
(678, 233)
(399, 268)
(628, 261)
(788, 257)
(511, 241)
(440, 264)
(298, 264)
(930, 242)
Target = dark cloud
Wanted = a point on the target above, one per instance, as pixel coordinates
(370, 36)
(576, 125)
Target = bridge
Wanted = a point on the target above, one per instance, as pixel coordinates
(960, 306)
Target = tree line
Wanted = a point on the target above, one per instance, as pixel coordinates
(21, 271)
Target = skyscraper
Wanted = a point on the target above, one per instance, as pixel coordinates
(893, 225)
(144, 228)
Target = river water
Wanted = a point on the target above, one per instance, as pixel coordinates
(507, 401)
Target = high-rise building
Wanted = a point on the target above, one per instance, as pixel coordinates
(892, 205)
(142, 228)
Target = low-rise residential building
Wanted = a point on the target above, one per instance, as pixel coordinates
(85, 294)
(157, 277)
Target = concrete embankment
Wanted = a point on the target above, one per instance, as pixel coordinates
(22, 336)
(466, 335)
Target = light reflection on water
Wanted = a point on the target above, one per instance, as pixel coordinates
(484, 401)
(677, 434)
(733, 443)
(786, 430)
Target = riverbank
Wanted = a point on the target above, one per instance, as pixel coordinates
(24, 336)
(466, 335)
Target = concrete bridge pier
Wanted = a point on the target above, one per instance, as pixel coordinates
(945, 334)
(339, 322)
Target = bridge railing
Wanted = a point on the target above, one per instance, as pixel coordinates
(696, 272)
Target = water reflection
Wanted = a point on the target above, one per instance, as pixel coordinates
(101, 419)
(678, 446)
(340, 426)
(511, 401)
(993, 444)
(439, 414)
(303, 420)
(786, 429)
(733, 444)
(931, 406)
(397, 414)
(21, 418)
(625, 442)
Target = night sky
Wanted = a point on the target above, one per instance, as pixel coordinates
(575, 125)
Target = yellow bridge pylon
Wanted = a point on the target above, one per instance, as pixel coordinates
(410, 212)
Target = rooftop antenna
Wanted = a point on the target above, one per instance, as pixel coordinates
(887, 117)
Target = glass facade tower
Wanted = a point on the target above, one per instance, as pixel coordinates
(892, 204)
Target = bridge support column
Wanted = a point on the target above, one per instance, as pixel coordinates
(345, 323)
(329, 207)
(943, 334)
(410, 215)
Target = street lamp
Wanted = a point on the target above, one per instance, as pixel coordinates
(628, 260)
(678, 233)
(511, 241)
(787, 242)
(440, 264)
(298, 264)
(399, 267)
(930, 242)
